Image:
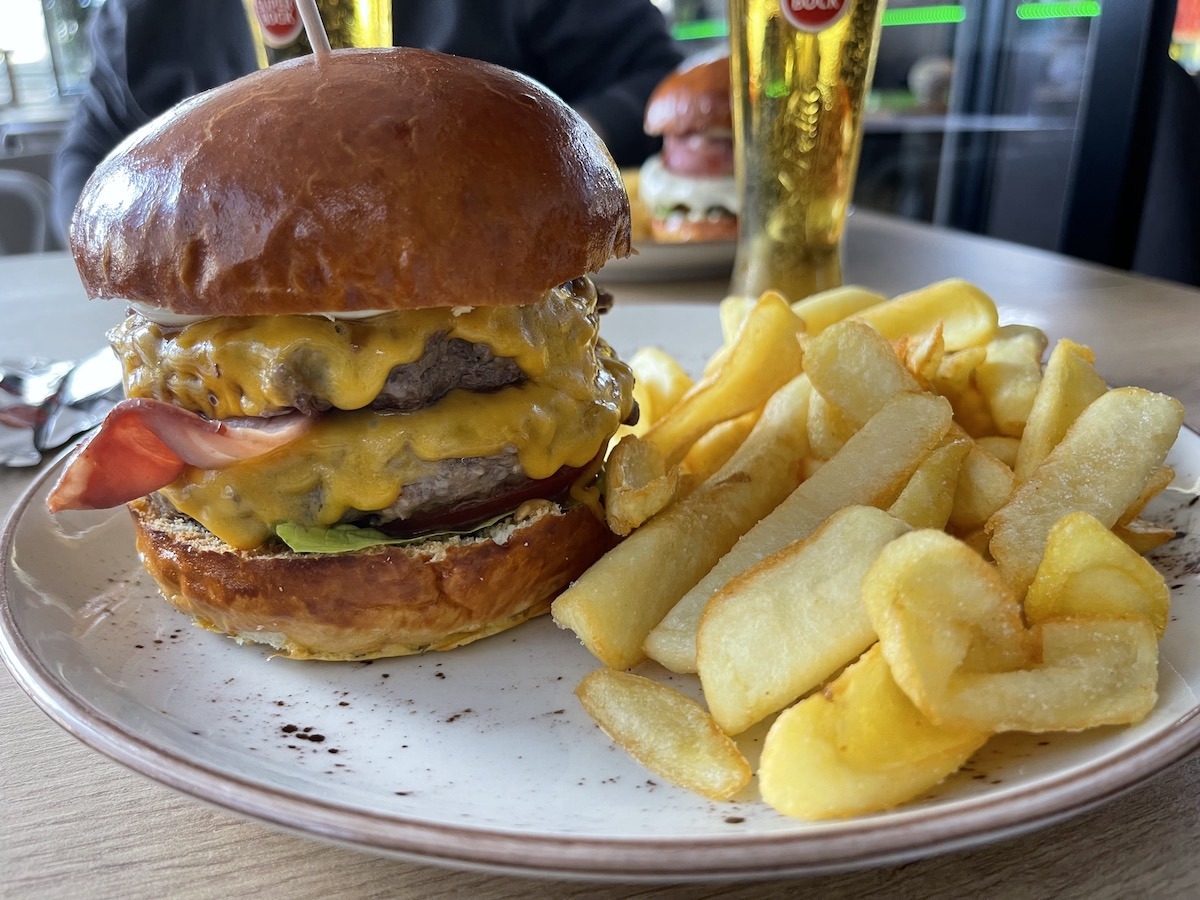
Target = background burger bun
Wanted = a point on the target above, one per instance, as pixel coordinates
(385, 601)
(375, 179)
(693, 98)
(679, 229)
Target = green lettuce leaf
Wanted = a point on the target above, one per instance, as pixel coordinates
(349, 538)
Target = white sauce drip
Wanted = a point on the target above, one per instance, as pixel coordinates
(660, 188)
(169, 319)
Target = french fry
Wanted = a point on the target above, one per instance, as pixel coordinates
(643, 479)
(870, 470)
(952, 634)
(665, 731)
(934, 603)
(818, 311)
(1001, 446)
(789, 623)
(732, 312)
(922, 355)
(715, 448)
(855, 369)
(977, 542)
(955, 380)
(858, 370)
(984, 485)
(1069, 384)
(828, 427)
(1088, 572)
(637, 484)
(662, 377)
(1100, 466)
(928, 498)
(821, 310)
(615, 603)
(764, 356)
(1010, 374)
(1155, 485)
(1143, 536)
(858, 746)
(967, 315)
(810, 465)
(1093, 672)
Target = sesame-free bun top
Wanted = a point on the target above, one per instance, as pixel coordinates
(366, 180)
(694, 98)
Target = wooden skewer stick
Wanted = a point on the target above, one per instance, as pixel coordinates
(314, 27)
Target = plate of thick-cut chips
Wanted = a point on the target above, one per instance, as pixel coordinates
(912, 531)
(896, 577)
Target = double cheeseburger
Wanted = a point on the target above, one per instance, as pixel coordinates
(366, 392)
(689, 187)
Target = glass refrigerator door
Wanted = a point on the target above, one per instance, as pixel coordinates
(987, 147)
(1042, 103)
(1027, 120)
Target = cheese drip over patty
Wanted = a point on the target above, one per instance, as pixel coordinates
(357, 460)
(230, 366)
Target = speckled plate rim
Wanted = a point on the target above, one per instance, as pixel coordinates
(898, 836)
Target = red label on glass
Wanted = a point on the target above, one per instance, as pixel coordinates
(279, 20)
(813, 15)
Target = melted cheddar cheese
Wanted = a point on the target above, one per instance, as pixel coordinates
(357, 460)
(230, 366)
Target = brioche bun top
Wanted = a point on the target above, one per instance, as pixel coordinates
(366, 180)
(694, 98)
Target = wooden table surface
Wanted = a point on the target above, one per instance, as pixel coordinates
(73, 823)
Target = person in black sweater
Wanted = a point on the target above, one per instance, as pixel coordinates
(604, 59)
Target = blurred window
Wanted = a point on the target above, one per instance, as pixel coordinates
(44, 49)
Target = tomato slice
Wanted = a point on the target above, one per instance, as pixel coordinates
(698, 155)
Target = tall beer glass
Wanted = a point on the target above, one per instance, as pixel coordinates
(279, 32)
(800, 72)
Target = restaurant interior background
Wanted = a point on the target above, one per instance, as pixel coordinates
(1070, 126)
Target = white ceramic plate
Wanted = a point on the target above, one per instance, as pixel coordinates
(482, 757)
(668, 262)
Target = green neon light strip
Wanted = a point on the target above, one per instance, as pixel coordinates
(1085, 9)
(914, 15)
(924, 15)
(700, 29)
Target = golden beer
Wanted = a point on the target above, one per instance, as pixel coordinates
(279, 33)
(800, 72)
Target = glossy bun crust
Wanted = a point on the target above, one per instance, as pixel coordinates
(694, 98)
(374, 179)
(385, 601)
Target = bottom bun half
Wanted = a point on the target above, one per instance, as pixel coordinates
(678, 229)
(384, 601)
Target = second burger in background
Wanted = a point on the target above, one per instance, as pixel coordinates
(689, 187)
